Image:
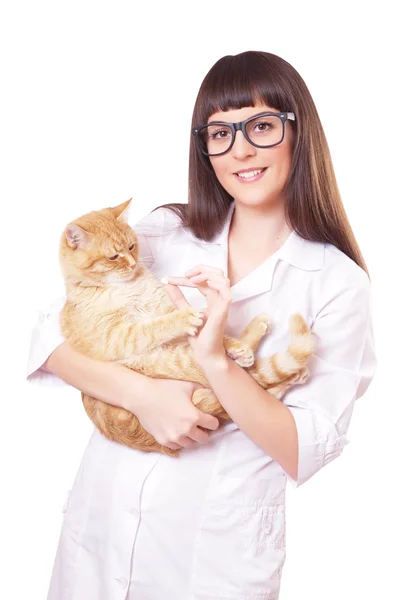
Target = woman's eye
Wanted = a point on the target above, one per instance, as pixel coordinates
(113, 257)
(219, 134)
(131, 247)
(263, 125)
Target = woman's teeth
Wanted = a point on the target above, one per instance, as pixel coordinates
(248, 174)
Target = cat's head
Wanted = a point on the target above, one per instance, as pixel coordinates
(100, 248)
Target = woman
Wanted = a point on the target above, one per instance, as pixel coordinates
(264, 231)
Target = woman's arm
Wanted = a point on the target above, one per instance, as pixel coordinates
(264, 419)
(164, 407)
(107, 381)
(307, 429)
(258, 413)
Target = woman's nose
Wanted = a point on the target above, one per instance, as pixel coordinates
(242, 147)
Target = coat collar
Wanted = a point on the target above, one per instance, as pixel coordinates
(300, 253)
(297, 251)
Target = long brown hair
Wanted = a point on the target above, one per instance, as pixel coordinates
(314, 208)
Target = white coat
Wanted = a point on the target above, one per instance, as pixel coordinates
(211, 524)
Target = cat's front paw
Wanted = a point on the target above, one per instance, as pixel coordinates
(241, 353)
(190, 320)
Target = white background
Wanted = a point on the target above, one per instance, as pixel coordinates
(96, 104)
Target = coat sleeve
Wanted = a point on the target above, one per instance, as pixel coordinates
(46, 334)
(341, 370)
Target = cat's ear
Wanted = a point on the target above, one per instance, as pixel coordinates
(76, 236)
(121, 211)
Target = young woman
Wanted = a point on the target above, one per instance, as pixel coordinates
(264, 231)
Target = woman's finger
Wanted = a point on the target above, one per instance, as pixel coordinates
(173, 446)
(184, 281)
(199, 435)
(220, 285)
(194, 281)
(202, 268)
(186, 442)
(177, 297)
(221, 289)
(209, 277)
(207, 288)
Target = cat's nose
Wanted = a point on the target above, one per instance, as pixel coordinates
(131, 261)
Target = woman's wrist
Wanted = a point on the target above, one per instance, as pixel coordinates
(137, 392)
(213, 363)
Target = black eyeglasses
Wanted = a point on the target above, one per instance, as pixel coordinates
(263, 131)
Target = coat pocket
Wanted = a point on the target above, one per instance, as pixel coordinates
(240, 547)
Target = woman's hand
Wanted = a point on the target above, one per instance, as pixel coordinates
(215, 286)
(168, 414)
(167, 411)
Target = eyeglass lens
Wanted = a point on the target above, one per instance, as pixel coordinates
(263, 131)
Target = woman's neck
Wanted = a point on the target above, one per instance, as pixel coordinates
(259, 228)
(255, 234)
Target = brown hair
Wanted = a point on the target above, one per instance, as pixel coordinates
(314, 208)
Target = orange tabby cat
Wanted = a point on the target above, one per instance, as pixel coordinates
(117, 310)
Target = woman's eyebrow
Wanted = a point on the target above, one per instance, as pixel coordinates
(252, 116)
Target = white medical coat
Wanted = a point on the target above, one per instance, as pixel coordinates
(211, 524)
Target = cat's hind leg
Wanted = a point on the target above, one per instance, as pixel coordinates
(242, 350)
(239, 351)
(255, 331)
(287, 367)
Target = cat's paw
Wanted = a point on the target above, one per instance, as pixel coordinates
(241, 353)
(190, 320)
(301, 376)
(261, 323)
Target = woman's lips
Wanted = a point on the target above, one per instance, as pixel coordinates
(250, 179)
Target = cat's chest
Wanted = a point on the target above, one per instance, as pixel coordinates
(140, 304)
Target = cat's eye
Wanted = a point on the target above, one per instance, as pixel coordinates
(131, 247)
(113, 257)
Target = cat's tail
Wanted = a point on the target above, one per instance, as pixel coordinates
(288, 363)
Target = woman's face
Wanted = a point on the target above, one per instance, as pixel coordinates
(265, 189)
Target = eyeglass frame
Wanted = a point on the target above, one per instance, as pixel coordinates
(241, 126)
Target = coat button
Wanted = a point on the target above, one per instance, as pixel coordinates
(122, 581)
(135, 512)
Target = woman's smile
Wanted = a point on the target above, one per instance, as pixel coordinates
(247, 164)
(250, 175)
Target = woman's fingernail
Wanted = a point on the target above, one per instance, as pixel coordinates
(164, 280)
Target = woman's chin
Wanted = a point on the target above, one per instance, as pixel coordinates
(257, 200)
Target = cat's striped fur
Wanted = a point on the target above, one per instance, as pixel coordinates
(117, 310)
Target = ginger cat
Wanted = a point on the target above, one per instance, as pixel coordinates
(117, 310)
